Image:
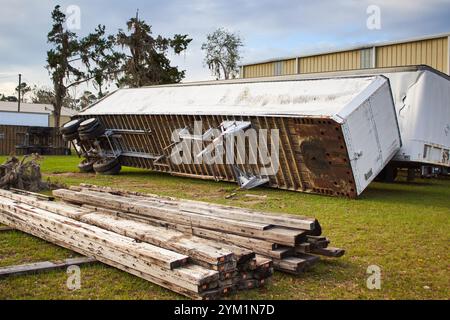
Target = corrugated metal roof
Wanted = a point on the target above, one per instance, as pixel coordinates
(34, 108)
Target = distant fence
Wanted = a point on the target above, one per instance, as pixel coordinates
(21, 140)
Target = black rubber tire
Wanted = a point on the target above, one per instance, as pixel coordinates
(87, 124)
(92, 134)
(90, 129)
(111, 172)
(70, 127)
(70, 137)
(106, 164)
(86, 166)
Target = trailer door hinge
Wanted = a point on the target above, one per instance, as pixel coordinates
(357, 155)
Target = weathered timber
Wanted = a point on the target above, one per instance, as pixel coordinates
(229, 251)
(196, 248)
(34, 194)
(166, 283)
(44, 266)
(281, 235)
(295, 265)
(329, 252)
(303, 247)
(236, 213)
(154, 254)
(190, 277)
(258, 246)
(6, 228)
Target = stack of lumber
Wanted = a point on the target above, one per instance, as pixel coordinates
(292, 242)
(196, 249)
(191, 266)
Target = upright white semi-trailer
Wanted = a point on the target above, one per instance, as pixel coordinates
(335, 135)
(422, 101)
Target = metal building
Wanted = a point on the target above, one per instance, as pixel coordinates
(34, 110)
(29, 132)
(431, 50)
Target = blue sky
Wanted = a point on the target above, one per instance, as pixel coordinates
(269, 28)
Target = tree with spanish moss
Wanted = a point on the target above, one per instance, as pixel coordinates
(72, 61)
(222, 49)
(146, 61)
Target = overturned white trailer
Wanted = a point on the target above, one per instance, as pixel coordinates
(334, 135)
(422, 102)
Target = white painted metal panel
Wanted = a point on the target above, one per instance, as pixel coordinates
(371, 134)
(324, 97)
(422, 100)
(24, 119)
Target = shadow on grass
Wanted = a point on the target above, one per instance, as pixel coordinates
(422, 193)
(412, 183)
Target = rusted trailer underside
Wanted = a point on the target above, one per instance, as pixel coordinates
(313, 157)
(333, 136)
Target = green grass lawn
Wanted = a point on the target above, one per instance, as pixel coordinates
(404, 228)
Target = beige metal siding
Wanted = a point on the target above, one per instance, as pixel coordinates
(282, 67)
(259, 70)
(62, 120)
(432, 52)
(347, 60)
(289, 67)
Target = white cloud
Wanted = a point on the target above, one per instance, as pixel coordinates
(269, 28)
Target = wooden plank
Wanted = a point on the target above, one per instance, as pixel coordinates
(191, 277)
(329, 252)
(235, 213)
(68, 210)
(317, 242)
(292, 265)
(242, 255)
(280, 235)
(166, 283)
(156, 210)
(6, 228)
(96, 248)
(249, 243)
(196, 248)
(156, 255)
(256, 245)
(304, 247)
(34, 194)
(44, 266)
(278, 253)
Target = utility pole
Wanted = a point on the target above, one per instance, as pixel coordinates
(20, 84)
